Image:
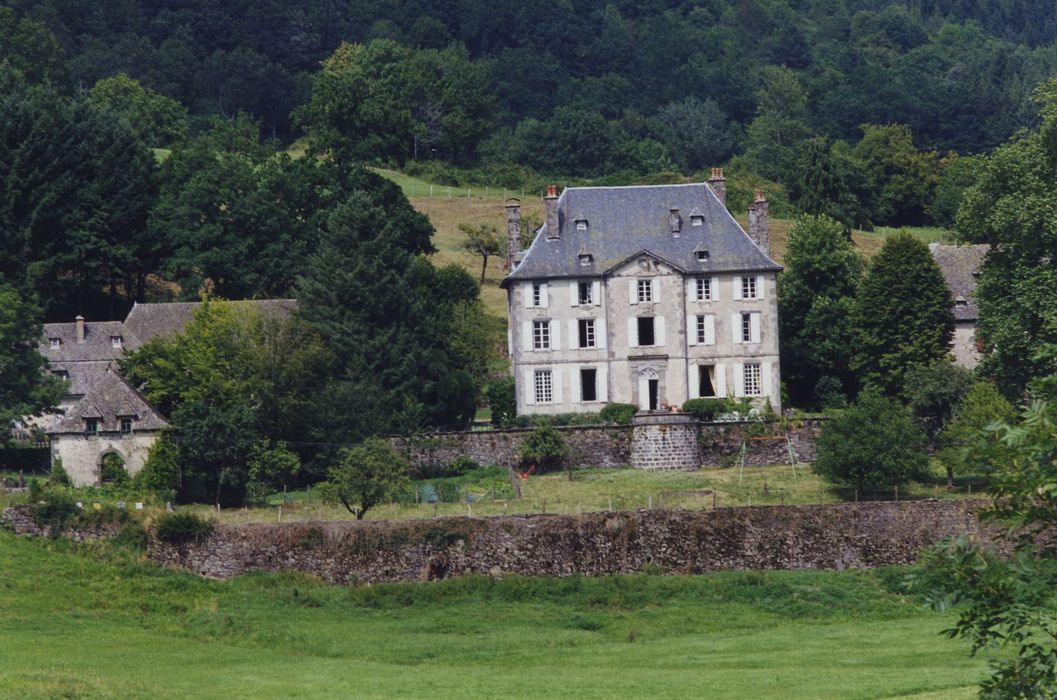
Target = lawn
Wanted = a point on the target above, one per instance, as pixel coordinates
(97, 624)
(487, 492)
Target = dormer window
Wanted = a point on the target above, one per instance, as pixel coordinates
(586, 259)
(581, 224)
(702, 255)
(115, 341)
(61, 374)
(56, 343)
(697, 220)
(961, 301)
(126, 425)
(91, 426)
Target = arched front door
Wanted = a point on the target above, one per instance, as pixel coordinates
(649, 390)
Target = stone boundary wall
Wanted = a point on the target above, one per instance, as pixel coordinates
(852, 535)
(718, 444)
(19, 519)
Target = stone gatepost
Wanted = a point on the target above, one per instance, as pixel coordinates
(665, 441)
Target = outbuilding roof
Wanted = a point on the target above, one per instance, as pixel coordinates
(621, 222)
(960, 265)
(109, 400)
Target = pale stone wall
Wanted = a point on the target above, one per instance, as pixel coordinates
(624, 367)
(963, 344)
(82, 455)
(665, 443)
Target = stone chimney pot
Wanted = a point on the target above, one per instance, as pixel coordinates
(80, 328)
(550, 205)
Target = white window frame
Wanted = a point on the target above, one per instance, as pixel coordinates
(56, 343)
(590, 298)
(644, 288)
(699, 332)
(745, 327)
(749, 287)
(541, 335)
(543, 386)
(116, 341)
(537, 294)
(589, 336)
(703, 289)
(752, 381)
(697, 220)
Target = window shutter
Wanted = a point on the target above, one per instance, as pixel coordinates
(691, 289)
(577, 394)
(602, 383)
(710, 330)
(721, 381)
(715, 289)
(765, 379)
(695, 382)
(556, 335)
(600, 333)
(526, 336)
(691, 329)
(633, 332)
(574, 334)
(633, 290)
(737, 288)
(759, 286)
(556, 385)
(658, 330)
(596, 292)
(528, 389)
(526, 294)
(739, 380)
(655, 283)
(735, 328)
(509, 341)
(545, 295)
(754, 327)
(574, 293)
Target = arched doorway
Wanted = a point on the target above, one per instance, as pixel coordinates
(649, 389)
(112, 469)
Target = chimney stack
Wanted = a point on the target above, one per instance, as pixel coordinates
(513, 231)
(719, 185)
(759, 223)
(80, 328)
(550, 203)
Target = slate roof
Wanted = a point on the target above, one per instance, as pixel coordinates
(97, 343)
(147, 321)
(959, 265)
(623, 222)
(109, 399)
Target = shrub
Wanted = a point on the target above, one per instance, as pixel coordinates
(502, 402)
(618, 413)
(159, 474)
(132, 534)
(59, 476)
(177, 528)
(709, 409)
(55, 509)
(112, 471)
(460, 465)
(93, 518)
(544, 447)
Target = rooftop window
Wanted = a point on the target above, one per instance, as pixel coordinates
(56, 343)
(697, 220)
(581, 224)
(115, 341)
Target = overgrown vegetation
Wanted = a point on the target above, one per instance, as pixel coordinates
(182, 527)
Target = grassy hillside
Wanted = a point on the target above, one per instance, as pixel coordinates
(105, 626)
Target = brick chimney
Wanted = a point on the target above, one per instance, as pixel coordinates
(513, 231)
(550, 203)
(80, 328)
(759, 223)
(719, 185)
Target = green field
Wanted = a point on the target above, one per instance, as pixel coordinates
(100, 625)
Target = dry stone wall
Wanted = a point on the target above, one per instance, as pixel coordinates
(654, 442)
(854, 535)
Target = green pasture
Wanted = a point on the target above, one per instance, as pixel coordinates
(93, 622)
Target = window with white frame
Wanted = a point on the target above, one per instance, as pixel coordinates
(700, 330)
(544, 388)
(587, 332)
(116, 341)
(746, 328)
(748, 287)
(585, 293)
(537, 294)
(697, 220)
(752, 379)
(56, 343)
(541, 335)
(645, 289)
(126, 426)
(704, 289)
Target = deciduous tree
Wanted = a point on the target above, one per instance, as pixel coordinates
(367, 475)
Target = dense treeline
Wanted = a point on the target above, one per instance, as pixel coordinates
(958, 74)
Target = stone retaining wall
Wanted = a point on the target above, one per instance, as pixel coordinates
(667, 441)
(853, 535)
(19, 519)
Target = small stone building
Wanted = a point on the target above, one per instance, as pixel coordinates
(101, 414)
(960, 265)
(646, 295)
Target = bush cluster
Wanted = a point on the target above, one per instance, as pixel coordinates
(177, 528)
(710, 409)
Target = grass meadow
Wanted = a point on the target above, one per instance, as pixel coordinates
(91, 621)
